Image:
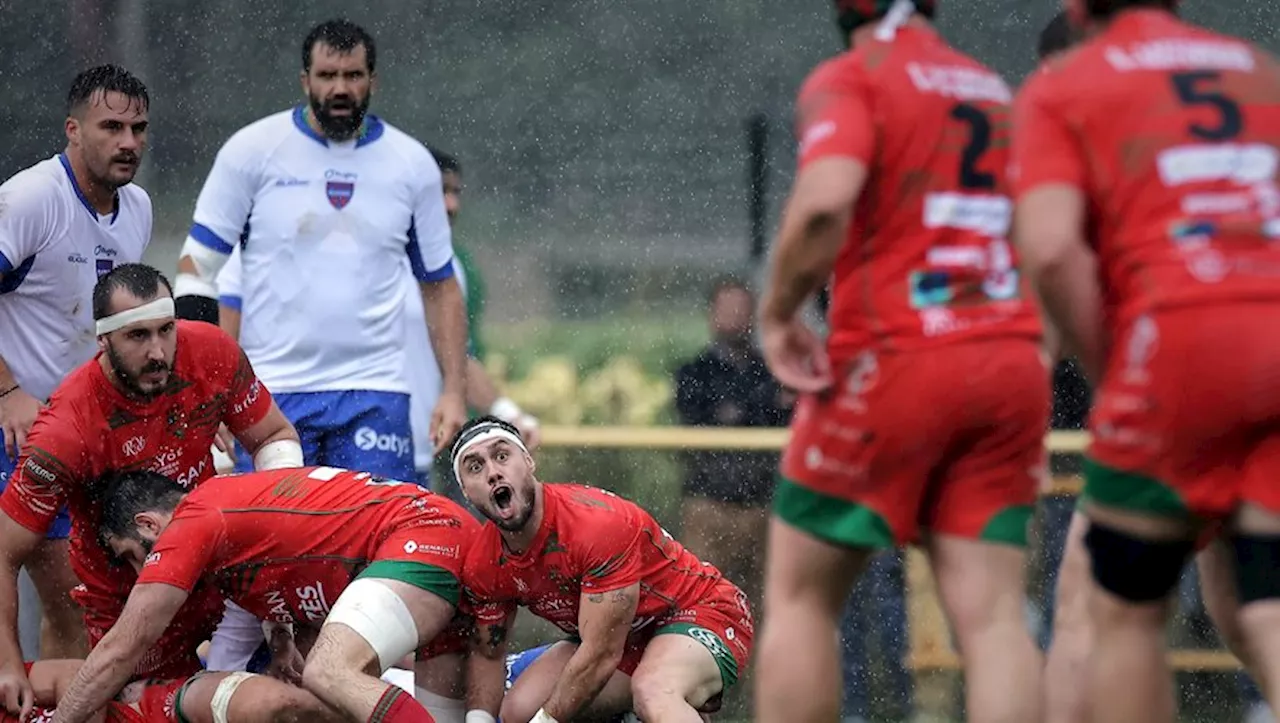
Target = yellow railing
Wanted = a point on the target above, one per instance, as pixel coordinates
(930, 642)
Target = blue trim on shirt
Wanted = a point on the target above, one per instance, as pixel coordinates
(5, 264)
(231, 302)
(420, 270)
(206, 237)
(439, 274)
(372, 130)
(84, 200)
(13, 279)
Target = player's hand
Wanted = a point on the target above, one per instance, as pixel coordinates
(286, 662)
(796, 355)
(18, 412)
(224, 441)
(16, 691)
(447, 418)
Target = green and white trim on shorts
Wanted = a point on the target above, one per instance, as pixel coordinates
(718, 648)
(1130, 491)
(432, 578)
(852, 524)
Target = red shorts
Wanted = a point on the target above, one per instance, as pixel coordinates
(951, 440)
(174, 654)
(1186, 421)
(721, 621)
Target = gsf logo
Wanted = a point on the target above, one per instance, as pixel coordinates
(367, 439)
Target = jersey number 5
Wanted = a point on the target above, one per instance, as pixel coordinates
(1198, 88)
(972, 179)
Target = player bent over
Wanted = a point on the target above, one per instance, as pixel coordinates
(202, 698)
(651, 625)
(1154, 249)
(282, 545)
(1067, 659)
(922, 414)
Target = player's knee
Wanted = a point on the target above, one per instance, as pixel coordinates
(1256, 559)
(1133, 569)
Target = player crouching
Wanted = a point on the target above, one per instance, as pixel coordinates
(651, 625)
(202, 698)
(281, 544)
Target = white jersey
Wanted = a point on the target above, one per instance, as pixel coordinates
(324, 230)
(53, 248)
(422, 370)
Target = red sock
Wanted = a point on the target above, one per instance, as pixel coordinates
(397, 706)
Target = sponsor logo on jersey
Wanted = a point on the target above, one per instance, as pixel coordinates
(77, 259)
(312, 602)
(103, 266)
(368, 439)
(250, 397)
(133, 446)
(152, 559)
(279, 608)
(412, 547)
(101, 250)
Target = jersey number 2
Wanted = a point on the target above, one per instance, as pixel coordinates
(1197, 88)
(979, 141)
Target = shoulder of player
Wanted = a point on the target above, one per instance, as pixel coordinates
(211, 342)
(36, 187)
(258, 140)
(136, 196)
(414, 152)
(840, 71)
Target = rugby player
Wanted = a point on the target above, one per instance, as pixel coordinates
(63, 223)
(652, 627)
(369, 565)
(1067, 658)
(152, 399)
(921, 417)
(422, 371)
(1153, 247)
(327, 202)
(202, 698)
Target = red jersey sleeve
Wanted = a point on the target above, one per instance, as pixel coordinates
(54, 460)
(833, 116)
(609, 552)
(248, 401)
(185, 550)
(1045, 150)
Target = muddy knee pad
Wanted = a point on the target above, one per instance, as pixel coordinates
(1256, 560)
(1134, 569)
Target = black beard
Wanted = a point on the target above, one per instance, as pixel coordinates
(130, 381)
(339, 128)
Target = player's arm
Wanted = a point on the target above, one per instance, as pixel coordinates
(837, 138)
(253, 417)
(230, 295)
(604, 621)
(110, 665)
(1049, 221)
(17, 543)
(487, 663)
(222, 212)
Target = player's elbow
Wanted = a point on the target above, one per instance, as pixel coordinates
(1050, 254)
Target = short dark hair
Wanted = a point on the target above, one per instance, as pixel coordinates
(448, 162)
(144, 282)
(471, 424)
(107, 79)
(1107, 8)
(726, 282)
(123, 495)
(1056, 37)
(343, 36)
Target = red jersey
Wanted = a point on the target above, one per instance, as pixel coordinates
(156, 703)
(926, 261)
(91, 428)
(283, 544)
(590, 541)
(1170, 131)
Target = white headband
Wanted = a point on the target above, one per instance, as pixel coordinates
(898, 14)
(161, 308)
(490, 432)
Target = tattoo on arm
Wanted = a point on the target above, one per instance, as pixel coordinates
(497, 635)
(621, 596)
(596, 597)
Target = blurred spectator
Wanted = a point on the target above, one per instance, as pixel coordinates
(726, 493)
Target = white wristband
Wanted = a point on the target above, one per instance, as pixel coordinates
(506, 409)
(278, 455)
(480, 716)
(542, 717)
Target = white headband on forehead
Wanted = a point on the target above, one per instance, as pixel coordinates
(161, 308)
(490, 432)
